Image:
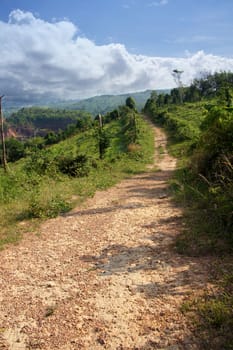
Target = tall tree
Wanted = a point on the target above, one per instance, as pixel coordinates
(177, 77)
(130, 102)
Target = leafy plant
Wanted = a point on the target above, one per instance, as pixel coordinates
(52, 178)
(74, 166)
(47, 209)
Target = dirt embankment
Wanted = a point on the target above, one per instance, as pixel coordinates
(105, 276)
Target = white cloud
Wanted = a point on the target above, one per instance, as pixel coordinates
(41, 59)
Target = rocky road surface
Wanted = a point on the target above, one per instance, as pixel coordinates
(104, 276)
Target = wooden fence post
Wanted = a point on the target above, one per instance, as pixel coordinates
(4, 161)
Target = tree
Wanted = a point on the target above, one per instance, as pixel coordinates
(191, 94)
(175, 96)
(167, 99)
(160, 100)
(177, 77)
(15, 149)
(154, 96)
(103, 138)
(51, 138)
(225, 96)
(130, 102)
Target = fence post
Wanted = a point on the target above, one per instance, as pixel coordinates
(4, 162)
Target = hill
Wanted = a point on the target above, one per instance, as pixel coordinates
(40, 120)
(37, 121)
(94, 105)
(106, 103)
(50, 179)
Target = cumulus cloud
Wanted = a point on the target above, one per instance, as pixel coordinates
(51, 60)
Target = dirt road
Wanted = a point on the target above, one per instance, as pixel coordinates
(105, 276)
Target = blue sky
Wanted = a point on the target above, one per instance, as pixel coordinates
(80, 48)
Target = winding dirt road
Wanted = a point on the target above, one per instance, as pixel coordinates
(105, 276)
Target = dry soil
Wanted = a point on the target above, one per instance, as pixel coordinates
(106, 275)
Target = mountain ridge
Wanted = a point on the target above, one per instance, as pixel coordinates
(94, 105)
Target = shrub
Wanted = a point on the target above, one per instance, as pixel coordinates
(40, 162)
(74, 166)
(51, 209)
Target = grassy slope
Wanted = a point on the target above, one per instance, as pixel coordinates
(26, 194)
(203, 233)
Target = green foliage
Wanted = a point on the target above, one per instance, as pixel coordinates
(216, 311)
(114, 115)
(8, 187)
(28, 118)
(213, 162)
(204, 185)
(213, 310)
(203, 132)
(130, 102)
(217, 131)
(15, 149)
(34, 144)
(209, 86)
(104, 142)
(39, 208)
(107, 103)
(129, 128)
(37, 121)
(225, 96)
(51, 179)
(181, 122)
(74, 166)
(201, 135)
(54, 119)
(40, 162)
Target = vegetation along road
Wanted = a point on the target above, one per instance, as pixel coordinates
(105, 275)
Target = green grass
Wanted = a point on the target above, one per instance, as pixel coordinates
(211, 314)
(206, 232)
(35, 189)
(206, 204)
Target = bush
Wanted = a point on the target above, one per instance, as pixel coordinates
(51, 209)
(74, 166)
(40, 162)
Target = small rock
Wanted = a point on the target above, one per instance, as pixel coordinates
(101, 341)
(50, 284)
(163, 195)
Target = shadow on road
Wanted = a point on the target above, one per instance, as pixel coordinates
(105, 210)
(175, 273)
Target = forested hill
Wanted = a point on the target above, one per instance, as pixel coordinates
(94, 105)
(40, 121)
(106, 103)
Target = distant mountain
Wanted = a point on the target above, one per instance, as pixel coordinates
(106, 103)
(94, 105)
